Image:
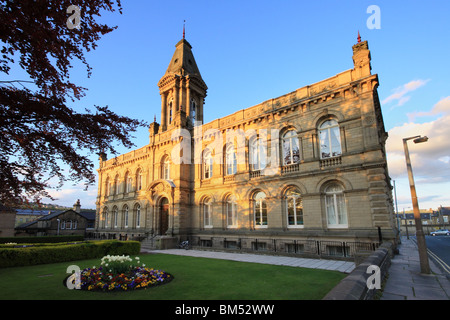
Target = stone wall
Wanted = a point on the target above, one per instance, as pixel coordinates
(354, 286)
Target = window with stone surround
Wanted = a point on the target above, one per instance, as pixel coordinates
(207, 164)
(125, 216)
(207, 213)
(260, 210)
(231, 211)
(230, 160)
(336, 209)
(294, 208)
(165, 174)
(257, 156)
(290, 148)
(115, 216)
(137, 215)
(330, 139)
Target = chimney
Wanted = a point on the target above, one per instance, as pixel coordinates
(77, 206)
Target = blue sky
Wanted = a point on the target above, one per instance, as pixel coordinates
(250, 51)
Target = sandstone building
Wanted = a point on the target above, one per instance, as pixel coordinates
(282, 175)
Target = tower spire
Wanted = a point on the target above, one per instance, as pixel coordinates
(359, 37)
(184, 31)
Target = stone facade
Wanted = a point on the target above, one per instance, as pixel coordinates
(309, 165)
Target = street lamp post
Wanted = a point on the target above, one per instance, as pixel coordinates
(423, 255)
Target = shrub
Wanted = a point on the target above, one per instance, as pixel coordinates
(28, 256)
(44, 239)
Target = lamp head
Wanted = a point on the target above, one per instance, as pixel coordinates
(421, 139)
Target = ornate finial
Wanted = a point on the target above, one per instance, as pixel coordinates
(359, 37)
(184, 33)
(154, 118)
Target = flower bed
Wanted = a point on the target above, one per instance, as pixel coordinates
(121, 273)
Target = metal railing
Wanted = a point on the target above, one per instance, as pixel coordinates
(319, 248)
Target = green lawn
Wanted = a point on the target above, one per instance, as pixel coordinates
(194, 279)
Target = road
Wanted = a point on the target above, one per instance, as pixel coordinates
(439, 250)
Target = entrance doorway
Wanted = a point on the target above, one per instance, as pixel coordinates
(163, 216)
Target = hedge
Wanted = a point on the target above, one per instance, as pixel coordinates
(15, 257)
(44, 239)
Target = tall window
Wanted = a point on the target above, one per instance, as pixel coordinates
(294, 208)
(115, 216)
(125, 217)
(108, 188)
(116, 185)
(128, 182)
(207, 213)
(257, 154)
(193, 110)
(335, 206)
(139, 180)
(105, 217)
(260, 210)
(207, 164)
(291, 150)
(138, 216)
(231, 211)
(330, 139)
(230, 160)
(170, 112)
(166, 168)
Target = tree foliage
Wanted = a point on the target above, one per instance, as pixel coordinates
(39, 131)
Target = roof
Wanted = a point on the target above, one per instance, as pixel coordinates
(89, 215)
(33, 212)
(183, 62)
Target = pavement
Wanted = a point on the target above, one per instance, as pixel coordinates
(342, 266)
(404, 282)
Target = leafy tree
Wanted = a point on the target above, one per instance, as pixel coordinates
(39, 132)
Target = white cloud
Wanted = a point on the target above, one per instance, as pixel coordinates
(400, 93)
(430, 160)
(67, 196)
(442, 107)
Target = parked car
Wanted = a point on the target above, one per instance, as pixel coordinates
(440, 232)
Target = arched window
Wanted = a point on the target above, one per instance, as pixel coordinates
(125, 216)
(330, 139)
(115, 216)
(231, 212)
(291, 149)
(108, 187)
(230, 160)
(335, 206)
(207, 213)
(128, 182)
(257, 156)
(170, 112)
(260, 210)
(139, 180)
(166, 168)
(105, 218)
(207, 164)
(116, 185)
(137, 209)
(193, 110)
(294, 208)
